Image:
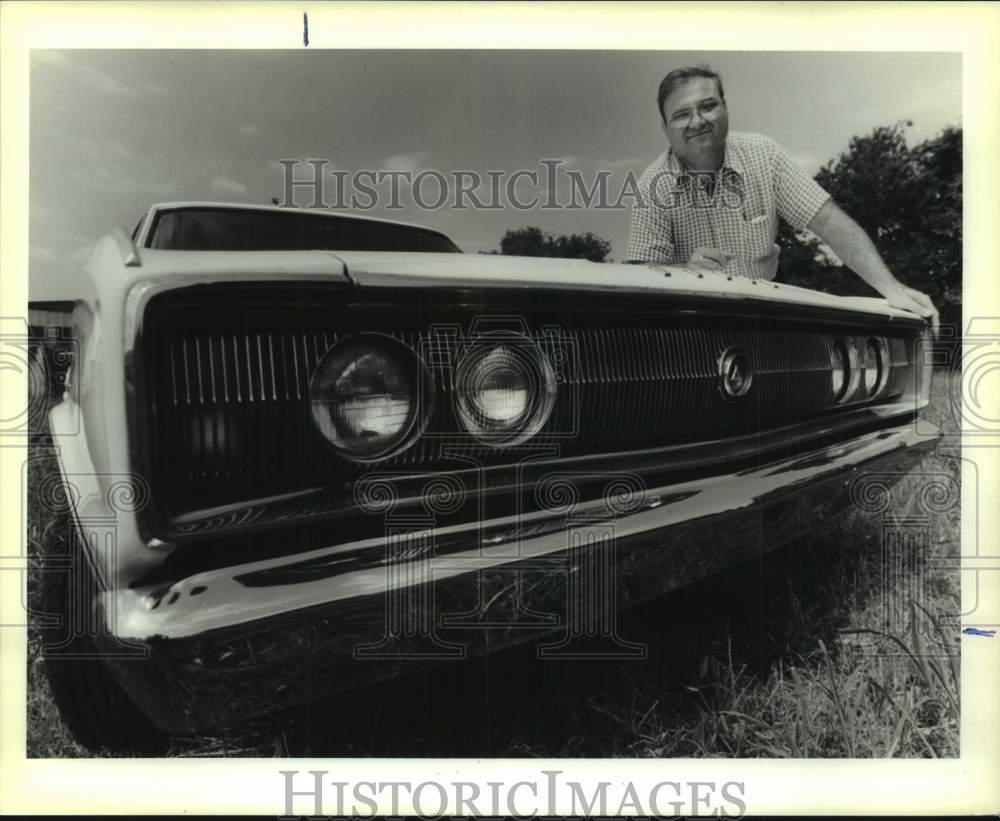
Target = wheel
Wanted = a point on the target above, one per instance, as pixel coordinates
(92, 703)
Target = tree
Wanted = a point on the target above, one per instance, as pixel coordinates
(533, 242)
(525, 242)
(908, 200)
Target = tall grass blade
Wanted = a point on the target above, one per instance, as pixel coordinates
(848, 727)
(948, 644)
(905, 714)
(918, 655)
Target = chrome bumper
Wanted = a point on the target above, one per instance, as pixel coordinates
(224, 645)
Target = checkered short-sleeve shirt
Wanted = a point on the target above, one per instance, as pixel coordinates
(674, 212)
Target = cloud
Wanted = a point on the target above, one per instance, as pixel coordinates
(112, 178)
(99, 80)
(119, 150)
(85, 75)
(810, 163)
(228, 187)
(250, 130)
(601, 163)
(65, 239)
(55, 265)
(158, 90)
(623, 162)
(303, 169)
(932, 97)
(413, 161)
(39, 211)
(113, 167)
(79, 255)
(42, 253)
(929, 106)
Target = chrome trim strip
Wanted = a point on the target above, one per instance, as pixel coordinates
(216, 599)
(503, 478)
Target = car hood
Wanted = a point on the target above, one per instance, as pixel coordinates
(380, 270)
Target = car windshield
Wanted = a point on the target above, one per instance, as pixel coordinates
(233, 229)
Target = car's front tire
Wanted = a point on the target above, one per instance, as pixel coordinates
(92, 703)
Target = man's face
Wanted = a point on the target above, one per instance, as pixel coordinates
(696, 123)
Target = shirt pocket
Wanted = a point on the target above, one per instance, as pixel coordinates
(759, 234)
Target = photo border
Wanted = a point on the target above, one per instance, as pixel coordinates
(965, 785)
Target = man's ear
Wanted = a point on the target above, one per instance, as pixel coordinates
(663, 127)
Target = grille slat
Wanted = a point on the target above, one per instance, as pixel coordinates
(187, 375)
(211, 368)
(173, 375)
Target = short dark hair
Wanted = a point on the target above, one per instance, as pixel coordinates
(681, 75)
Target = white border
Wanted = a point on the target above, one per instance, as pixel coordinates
(183, 785)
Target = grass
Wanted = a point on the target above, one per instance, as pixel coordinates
(845, 644)
(850, 661)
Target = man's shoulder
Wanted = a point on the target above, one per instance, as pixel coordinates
(661, 163)
(750, 140)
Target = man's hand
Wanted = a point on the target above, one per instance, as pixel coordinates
(711, 258)
(899, 296)
(848, 241)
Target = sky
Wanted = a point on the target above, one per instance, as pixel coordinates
(114, 131)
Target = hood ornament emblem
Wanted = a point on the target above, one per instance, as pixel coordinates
(735, 374)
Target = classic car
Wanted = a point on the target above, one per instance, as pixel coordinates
(307, 450)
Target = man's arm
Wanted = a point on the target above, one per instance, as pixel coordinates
(849, 241)
(650, 237)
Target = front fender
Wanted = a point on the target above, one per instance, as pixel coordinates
(103, 503)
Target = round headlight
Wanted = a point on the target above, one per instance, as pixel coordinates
(876, 365)
(504, 388)
(839, 367)
(370, 396)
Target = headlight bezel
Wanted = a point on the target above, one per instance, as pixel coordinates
(876, 347)
(534, 366)
(422, 396)
(923, 366)
(840, 366)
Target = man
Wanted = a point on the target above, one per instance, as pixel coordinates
(713, 199)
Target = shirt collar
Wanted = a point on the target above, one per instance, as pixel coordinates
(732, 159)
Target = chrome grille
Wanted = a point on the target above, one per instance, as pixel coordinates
(237, 404)
(226, 408)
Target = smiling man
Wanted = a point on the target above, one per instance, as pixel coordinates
(713, 198)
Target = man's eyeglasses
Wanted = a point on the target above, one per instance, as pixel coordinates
(683, 117)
